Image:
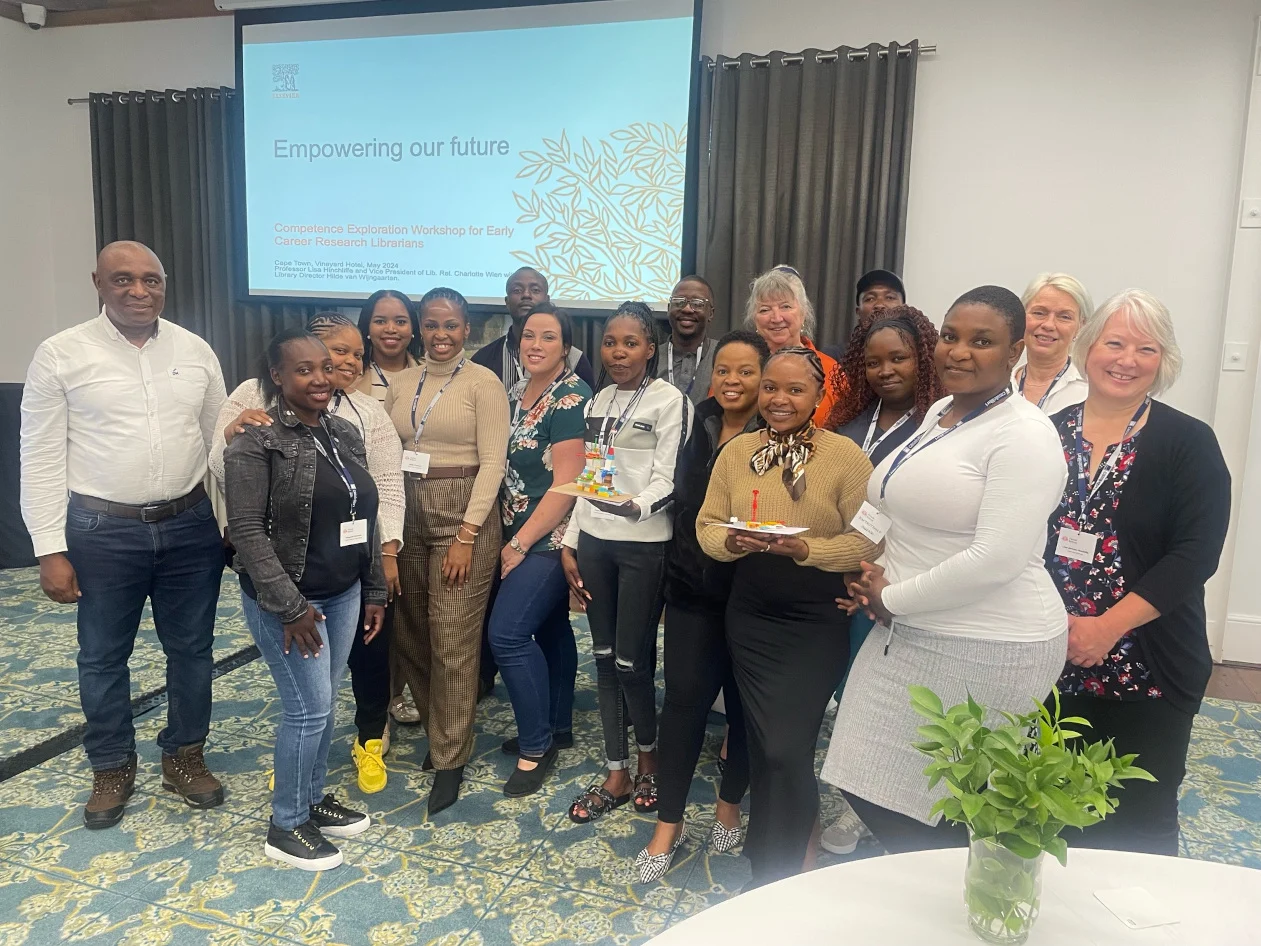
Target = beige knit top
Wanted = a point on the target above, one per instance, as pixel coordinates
(467, 427)
(836, 487)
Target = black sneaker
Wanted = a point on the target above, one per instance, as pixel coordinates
(336, 820)
(561, 740)
(303, 847)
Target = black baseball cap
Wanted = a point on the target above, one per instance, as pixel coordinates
(878, 277)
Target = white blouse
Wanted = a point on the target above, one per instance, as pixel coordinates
(964, 552)
(1069, 389)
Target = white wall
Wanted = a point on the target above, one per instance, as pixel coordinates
(52, 229)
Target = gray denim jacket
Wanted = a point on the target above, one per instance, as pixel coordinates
(269, 479)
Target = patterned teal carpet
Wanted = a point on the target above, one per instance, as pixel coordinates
(488, 872)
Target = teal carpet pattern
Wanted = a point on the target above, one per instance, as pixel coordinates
(490, 871)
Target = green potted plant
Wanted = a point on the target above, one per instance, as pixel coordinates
(1016, 786)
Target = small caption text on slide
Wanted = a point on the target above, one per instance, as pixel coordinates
(374, 148)
(388, 236)
(359, 270)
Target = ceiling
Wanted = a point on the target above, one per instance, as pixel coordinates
(86, 12)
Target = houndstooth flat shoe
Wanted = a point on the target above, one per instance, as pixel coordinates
(722, 839)
(652, 867)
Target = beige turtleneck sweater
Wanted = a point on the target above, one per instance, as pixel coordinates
(467, 427)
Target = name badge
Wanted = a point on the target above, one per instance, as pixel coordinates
(354, 532)
(1076, 545)
(415, 462)
(871, 522)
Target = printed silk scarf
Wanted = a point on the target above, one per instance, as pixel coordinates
(791, 452)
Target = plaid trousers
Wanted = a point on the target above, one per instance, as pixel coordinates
(438, 629)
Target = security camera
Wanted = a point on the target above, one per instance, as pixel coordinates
(34, 15)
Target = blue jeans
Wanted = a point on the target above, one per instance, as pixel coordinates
(308, 696)
(177, 564)
(533, 644)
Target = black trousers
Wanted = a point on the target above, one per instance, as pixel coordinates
(1146, 819)
(625, 582)
(899, 834)
(789, 646)
(698, 666)
(370, 678)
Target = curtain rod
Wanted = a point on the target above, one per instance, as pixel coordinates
(854, 55)
(126, 97)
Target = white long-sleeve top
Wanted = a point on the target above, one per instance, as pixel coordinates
(1071, 388)
(380, 439)
(645, 451)
(964, 552)
(103, 418)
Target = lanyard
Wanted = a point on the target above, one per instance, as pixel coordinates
(516, 411)
(424, 373)
(340, 396)
(606, 437)
(1050, 387)
(868, 447)
(1085, 489)
(380, 375)
(914, 442)
(700, 354)
(338, 465)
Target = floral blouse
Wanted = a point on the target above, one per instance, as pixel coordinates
(1090, 589)
(556, 417)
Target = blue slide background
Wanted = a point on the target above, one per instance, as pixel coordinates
(595, 117)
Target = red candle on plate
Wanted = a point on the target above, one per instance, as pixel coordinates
(753, 517)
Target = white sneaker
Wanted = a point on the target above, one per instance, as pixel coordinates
(843, 834)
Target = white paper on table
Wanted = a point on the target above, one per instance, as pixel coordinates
(1136, 908)
(761, 530)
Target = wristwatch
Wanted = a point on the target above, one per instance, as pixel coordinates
(515, 545)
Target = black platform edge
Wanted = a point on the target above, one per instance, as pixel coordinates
(141, 705)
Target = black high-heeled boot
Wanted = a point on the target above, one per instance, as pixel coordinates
(446, 789)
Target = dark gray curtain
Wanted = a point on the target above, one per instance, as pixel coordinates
(804, 159)
(161, 174)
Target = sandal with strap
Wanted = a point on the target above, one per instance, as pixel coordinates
(597, 801)
(646, 793)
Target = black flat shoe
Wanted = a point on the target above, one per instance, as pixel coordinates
(524, 782)
(561, 740)
(427, 765)
(446, 789)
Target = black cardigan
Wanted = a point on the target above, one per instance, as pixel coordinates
(1171, 525)
(694, 581)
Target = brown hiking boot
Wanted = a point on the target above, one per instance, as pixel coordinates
(110, 790)
(186, 774)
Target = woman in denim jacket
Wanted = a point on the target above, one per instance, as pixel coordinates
(301, 512)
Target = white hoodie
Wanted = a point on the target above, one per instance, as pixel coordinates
(645, 452)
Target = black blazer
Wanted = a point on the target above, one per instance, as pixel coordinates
(695, 581)
(1171, 525)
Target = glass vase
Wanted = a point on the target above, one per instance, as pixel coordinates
(1003, 892)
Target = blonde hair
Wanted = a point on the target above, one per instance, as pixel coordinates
(776, 284)
(1147, 315)
(1064, 283)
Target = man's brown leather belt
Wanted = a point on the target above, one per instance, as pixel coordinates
(152, 512)
(448, 472)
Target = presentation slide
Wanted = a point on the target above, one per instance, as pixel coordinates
(410, 151)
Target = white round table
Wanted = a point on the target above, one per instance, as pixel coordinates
(917, 900)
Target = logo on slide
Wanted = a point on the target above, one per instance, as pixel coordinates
(284, 78)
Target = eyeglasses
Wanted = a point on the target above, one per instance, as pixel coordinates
(678, 302)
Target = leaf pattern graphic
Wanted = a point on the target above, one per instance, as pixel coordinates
(607, 214)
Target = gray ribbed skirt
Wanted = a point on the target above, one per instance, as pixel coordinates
(872, 753)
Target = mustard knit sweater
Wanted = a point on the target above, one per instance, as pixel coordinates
(836, 487)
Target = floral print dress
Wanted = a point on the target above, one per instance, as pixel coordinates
(1091, 588)
(557, 416)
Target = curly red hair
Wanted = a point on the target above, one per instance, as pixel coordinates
(850, 373)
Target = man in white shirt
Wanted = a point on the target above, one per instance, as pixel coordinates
(117, 418)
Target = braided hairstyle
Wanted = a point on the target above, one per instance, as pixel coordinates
(851, 372)
(274, 356)
(811, 357)
(365, 320)
(325, 324)
(642, 314)
(446, 294)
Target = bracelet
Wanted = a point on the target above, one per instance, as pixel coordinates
(469, 531)
(515, 544)
(462, 542)
(389, 554)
